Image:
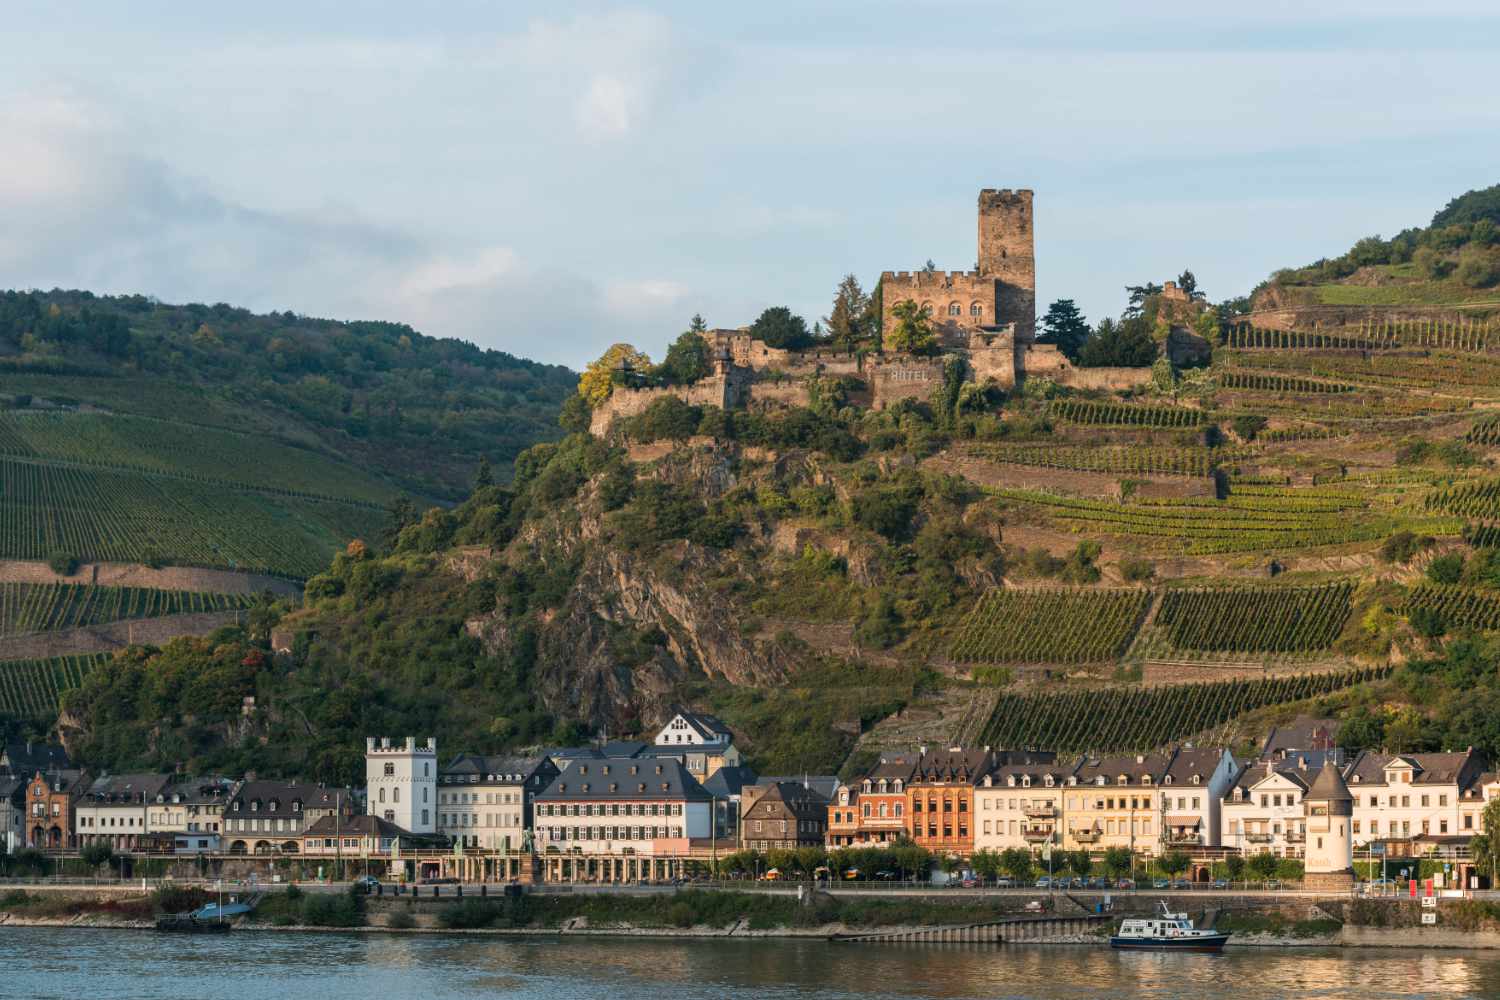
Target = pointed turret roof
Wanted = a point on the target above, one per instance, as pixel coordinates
(1328, 786)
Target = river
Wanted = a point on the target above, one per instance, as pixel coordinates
(139, 965)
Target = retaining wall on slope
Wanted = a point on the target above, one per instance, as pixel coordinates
(221, 581)
(114, 635)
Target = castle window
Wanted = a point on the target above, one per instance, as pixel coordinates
(976, 310)
(954, 309)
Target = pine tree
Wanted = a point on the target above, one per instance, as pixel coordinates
(851, 308)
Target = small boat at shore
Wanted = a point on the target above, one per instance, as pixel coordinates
(1167, 931)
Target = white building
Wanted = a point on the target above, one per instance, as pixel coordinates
(1413, 795)
(1329, 807)
(622, 805)
(485, 802)
(1262, 810)
(1020, 805)
(1191, 790)
(401, 782)
(693, 729)
(113, 810)
(192, 810)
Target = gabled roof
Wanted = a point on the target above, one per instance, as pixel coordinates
(358, 825)
(196, 791)
(708, 727)
(284, 793)
(894, 767)
(1257, 772)
(823, 784)
(728, 781)
(25, 757)
(1461, 768)
(499, 768)
(1190, 762)
(792, 794)
(1000, 777)
(1135, 769)
(953, 766)
(126, 789)
(1303, 733)
(624, 778)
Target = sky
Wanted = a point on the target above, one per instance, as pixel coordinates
(548, 179)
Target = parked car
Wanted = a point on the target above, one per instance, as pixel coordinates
(367, 884)
(1005, 882)
(885, 875)
(970, 882)
(1124, 883)
(1221, 884)
(851, 873)
(1181, 883)
(1273, 883)
(1075, 882)
(1097, 882)
(1160, 883)
(1044, 882)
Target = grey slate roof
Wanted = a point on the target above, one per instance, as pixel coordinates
(499, 768)
(619, 779)
(726, 782)
(1328, 786)
(24, 757)
(823, 784)
(122, 789)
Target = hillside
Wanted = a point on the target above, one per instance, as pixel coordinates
(1308, 522)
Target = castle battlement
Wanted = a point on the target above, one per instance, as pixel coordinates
(931, 278)
(1005, 194)
(385, 745)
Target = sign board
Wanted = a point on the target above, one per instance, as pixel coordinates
(1429, 902)
(1429, 918)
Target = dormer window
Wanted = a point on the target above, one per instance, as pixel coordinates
(1197, 779)
(583, 769)
(255, 806)
(1026, 781)
(1099, 781)
(296, 805)
(1048, 780)
(1165, 781)
(1124, 779)
(1010, 781)
(898, 785)
(1145, 779)
(584, 787)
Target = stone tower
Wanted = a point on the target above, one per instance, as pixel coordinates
(1328, 810)
(1007, 253)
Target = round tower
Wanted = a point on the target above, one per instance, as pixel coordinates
(1328, 809)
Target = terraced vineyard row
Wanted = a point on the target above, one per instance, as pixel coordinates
(1483, 536)
(1050, 626)
(32, 607)
(1476, 375)
(1089, 411)
(1446, 333)
(104, 514)
(1124, 459)
(1258, 620)
(1457, 607)
(1116, 719)
(1264, 382)
(1486, 431)
(33, 687)
(1214, 527)
(1477, 499)
(166, 447)
(1247, 337)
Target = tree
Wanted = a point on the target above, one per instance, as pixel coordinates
(398, 516)
(687, 359)
(484, 475)
(1264, 865)
(598, 380)
(913, 331)
(1016, 861)
(1065, 326)
(1188, 282)
(574, 415)
(847, 320)
(1429, 262)
(1138, 296)
(1174, 863)
(1079, 862)
(1127, 344)
(1234, 867)
(1477, 269)
(97, 855)
(1118, 861)
(1485, 848)
(779, 327)
(986, 863)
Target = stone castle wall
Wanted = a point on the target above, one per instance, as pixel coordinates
(729, 390)
(1007, 252)
(970, 293)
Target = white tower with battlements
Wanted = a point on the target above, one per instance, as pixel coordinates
(401, 782)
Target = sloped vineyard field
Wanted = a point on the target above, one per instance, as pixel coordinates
(33, 687)
(30, 607)
(1457, 607)
(1256, 620)
(1117, 719)
(1050, 626)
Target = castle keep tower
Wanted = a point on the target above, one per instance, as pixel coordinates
(1000, 293)
(1007, 253)
(1328, 809)
(401, 782)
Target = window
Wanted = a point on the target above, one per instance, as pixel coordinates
(390, 770)
(976, 310)
(382, 794)
(954, 310)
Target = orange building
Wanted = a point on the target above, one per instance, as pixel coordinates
(50, 799)
(940, 795)
(874, 809)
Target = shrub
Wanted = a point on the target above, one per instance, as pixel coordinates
(1477, 269)
(1247, 425)
(1402, 546)
(1136, 569)
(333, 910)
(63, 563)
(1446, 568)
(401, 920)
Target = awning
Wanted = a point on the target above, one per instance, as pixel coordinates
(1184, 821)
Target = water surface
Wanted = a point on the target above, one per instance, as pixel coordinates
(126, 965)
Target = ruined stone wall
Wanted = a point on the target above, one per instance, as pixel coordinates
(899, 377)
(1046, 361)
(997, 359)
(726, 391)
(973, 295)
(1007, 252)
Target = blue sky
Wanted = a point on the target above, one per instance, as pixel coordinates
(549, 179)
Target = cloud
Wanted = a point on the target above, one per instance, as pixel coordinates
(608, 107)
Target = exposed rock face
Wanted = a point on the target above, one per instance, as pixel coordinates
(580, 669)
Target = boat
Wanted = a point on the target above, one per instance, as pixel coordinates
(1167, 931)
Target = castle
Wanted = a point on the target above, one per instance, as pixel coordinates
(987, 317)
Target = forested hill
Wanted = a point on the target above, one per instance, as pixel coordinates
(414, 411)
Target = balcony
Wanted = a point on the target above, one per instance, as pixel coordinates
(1184, 838)
(1037, 834)
(1258, 838)
(1040, 812)
(1296, 838)
(1086, 836)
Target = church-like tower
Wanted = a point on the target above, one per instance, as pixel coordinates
(1329, 811)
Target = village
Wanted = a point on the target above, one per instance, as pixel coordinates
(1300, 813)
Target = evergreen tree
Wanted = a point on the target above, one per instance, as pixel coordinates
(1065, 326)
(484, 475)
(779, 327)
(851, 308)
(913, 332)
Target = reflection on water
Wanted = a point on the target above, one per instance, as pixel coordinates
(52, 963)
